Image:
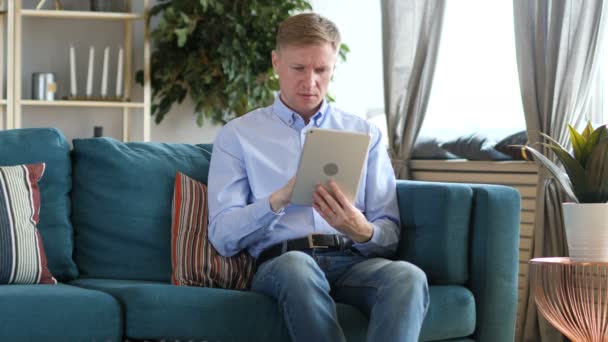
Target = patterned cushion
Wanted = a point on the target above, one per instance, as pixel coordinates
(48, 145)
(195, 262)
(22, 257)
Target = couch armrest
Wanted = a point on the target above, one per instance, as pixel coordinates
(494, 263)
(463, 234)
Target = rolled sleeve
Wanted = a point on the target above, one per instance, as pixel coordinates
(234, 221)
(382, 242)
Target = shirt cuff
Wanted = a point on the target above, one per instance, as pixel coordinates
(262, 211)
(367, 248)
(265, 219)
(280, 212)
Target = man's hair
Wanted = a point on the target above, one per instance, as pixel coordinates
(307, 29)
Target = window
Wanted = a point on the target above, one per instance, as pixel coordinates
(357, 85)
(476, 84)
(601, 113)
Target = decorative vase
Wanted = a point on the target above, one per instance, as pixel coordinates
(586, 228)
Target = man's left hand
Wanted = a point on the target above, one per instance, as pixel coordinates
(340, 213)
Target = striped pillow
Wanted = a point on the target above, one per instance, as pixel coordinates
(195, 262)
(22, 257)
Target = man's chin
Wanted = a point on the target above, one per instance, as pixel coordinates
(310, 101)
(309, 107)
(304, 105)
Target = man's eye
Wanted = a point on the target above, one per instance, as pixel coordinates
(321, 70)
(298, 68)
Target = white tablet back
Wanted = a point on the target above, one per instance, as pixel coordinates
(330, 154)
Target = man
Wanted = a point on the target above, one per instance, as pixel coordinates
(250, 183)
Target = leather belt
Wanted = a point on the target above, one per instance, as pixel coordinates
(312, 241)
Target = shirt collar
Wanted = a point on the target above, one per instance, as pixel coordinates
(289, 117)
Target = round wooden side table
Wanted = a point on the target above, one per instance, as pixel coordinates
(572, 296)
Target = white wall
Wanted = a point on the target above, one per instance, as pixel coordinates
(357, 86)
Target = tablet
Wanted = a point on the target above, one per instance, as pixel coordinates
(330, 154)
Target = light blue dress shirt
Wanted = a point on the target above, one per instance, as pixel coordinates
(256, 154)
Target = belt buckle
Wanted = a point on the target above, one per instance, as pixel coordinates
(311, 241)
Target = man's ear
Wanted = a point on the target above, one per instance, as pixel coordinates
(275, 61)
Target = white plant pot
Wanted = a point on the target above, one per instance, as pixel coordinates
(586, 228)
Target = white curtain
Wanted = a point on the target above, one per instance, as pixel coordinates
(558, 45)
(411, 31)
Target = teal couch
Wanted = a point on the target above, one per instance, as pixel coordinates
(105, 223)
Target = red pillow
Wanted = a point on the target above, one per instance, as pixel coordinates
(195, 262)
(22, 257)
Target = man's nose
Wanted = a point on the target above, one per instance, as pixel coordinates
(310, 79)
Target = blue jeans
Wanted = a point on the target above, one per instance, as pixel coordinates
(393, 294)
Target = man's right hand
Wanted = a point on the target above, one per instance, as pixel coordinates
(280, 198)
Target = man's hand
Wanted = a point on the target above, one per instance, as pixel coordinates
(337, 210)
(280, 198)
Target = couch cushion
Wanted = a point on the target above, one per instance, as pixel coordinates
(430, 148)
(122, 205)
(194, 260)
(435, 220)
(163, 311)
(47, 145)
(22, 257)
(506, 146)
(451, 313)
(58, 313)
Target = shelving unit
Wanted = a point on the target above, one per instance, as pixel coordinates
(15, 101)
(81, 15)
(3, 102)
(64, 103)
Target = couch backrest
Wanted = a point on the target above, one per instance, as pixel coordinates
(48, 145)
(121, 205)
(436, 229)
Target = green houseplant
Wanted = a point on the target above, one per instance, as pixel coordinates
(217, 53)
(586, 183)
(586, 179)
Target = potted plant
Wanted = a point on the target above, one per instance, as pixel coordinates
(217, 53)
(586, 183)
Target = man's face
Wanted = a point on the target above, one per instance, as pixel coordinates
(304, 74)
